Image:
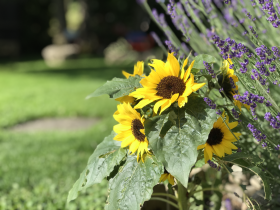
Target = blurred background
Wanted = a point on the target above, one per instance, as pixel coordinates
(53, 53)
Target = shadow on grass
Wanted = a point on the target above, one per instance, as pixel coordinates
(106, 73)
(81, 66)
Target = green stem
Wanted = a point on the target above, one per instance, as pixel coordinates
(166, 201)
(182, 196)
(165, 194)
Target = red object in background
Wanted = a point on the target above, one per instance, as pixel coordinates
(140, 41)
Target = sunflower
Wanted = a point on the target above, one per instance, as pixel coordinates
(168, 176)
(166, 84)
(227, 80)
(220, 139)
(138, 70)
(131, 130)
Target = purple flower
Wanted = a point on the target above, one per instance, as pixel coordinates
(209, 69)
(210, 103)
(278, 116)
(235, 113)
(219, 112)
(256, 133)
(213, 165)
(253, 31)
(273, 122)
(171, 48)
(228, 205)
(156, 38)
(268, 104)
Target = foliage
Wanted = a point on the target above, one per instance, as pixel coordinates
(173, 137)
(246, 32)
(38, 168)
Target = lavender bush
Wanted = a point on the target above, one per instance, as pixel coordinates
(247, 33)
(215, 101)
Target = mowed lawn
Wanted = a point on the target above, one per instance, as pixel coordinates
(39, 168)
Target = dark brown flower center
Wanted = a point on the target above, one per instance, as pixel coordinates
(215, 136)
(169, 86)
(136, 125)
(224, 82)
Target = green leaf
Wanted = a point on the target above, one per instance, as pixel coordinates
(260, 173)
(101, 163)
(241, 159)
(229, 168)
(200, 163)
(216, 97)
(118, 87)
(154, 126)
(198, 64)
(196, 200)
(133, 185)
(239, 155)
(243, 186)
(178, 148)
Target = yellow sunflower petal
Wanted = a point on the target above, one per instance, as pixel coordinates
(127, 75)
(190, 81)
(140, 148)
(124, 110)
(134, 146)
(148, 83)
(187, 74)
(143, 103)
(158, 104)
(132, 111)
(152, 78)
(209, 151)
(163, 177)
(197, 86)
(228, 150)
(229, 60)
(221, 149)
(144, 148)
(127, 99)
(218, 123)
(123, 135)
(227, 134)
(170, 179)
(185, 63)
(182, 100)
(233, 124)
(174, 98)
(159, 67)
(165, 106)
(122, 119)
(120, 128)
(187, 91)
(246, 106)
(127, 141)
(218, 151)
(201, 146)
(238, 104)
(206, 157)
(175, 66)
(237, 135)
(139, 68)
(230, 145)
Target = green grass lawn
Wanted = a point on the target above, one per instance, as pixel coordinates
(38, 169)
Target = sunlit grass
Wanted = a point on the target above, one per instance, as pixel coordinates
(38, 169)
